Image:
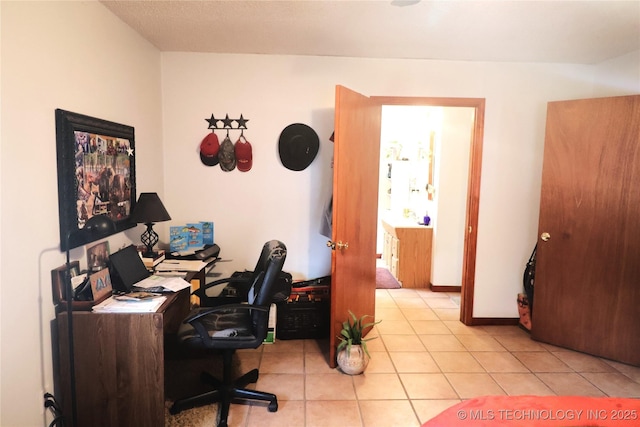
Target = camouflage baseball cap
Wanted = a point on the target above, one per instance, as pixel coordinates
(226, 155)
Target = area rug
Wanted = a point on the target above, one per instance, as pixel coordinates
(384, 279)
(540, 411)
(182, 379)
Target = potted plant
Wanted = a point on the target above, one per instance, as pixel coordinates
(353, 355)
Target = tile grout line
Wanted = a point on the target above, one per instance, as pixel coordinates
(406, 392)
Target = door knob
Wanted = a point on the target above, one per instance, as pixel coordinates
(545, 236)
(338, 244)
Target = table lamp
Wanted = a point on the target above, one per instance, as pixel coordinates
(95, 228)
(149, 210)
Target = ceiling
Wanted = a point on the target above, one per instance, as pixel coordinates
(583, 32)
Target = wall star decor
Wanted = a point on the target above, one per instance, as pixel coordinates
(227, 123)
(96, 173)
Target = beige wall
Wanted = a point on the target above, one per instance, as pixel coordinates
(79, 57)
(451, 196)
(274, 91)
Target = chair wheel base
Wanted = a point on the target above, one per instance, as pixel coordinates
(273, 406)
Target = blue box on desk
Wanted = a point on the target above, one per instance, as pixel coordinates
(195, 235)
(178, 238)
(190, 237)
(207, 232)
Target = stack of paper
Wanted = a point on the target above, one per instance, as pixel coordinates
(112, 305)
(168, 283)
(181, 265)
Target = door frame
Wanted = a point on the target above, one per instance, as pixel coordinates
(473, 189)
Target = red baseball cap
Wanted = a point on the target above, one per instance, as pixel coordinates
(244, 155)
(209, 149)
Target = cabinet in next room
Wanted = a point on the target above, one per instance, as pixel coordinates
(407, 252)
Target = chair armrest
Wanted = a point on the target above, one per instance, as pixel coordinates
(196, 322)
(202, 290)
(226, 307)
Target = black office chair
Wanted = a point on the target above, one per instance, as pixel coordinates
(230, 327)
(238, 284)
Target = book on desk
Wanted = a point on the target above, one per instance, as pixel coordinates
(151, 261)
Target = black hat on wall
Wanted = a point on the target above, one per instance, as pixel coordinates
(298, 146)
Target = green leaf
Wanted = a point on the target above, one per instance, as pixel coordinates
(364, 347)
(352, 331)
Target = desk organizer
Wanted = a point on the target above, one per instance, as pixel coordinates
(58, 291)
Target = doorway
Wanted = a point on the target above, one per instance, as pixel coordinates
(424, 173)
(473, 188)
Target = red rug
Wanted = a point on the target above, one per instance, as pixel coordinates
(540, 411)
(384, 279)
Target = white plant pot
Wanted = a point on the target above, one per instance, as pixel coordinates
(353, 362)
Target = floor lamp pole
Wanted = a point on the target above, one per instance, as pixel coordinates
(72, 364)
(96, 227)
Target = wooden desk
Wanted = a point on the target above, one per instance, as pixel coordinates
(119, 364)
(199, 278)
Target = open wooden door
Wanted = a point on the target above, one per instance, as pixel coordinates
(587, 288)
(355, 200)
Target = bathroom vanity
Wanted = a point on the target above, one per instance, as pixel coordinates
(407, 252)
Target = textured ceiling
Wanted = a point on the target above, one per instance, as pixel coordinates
(534, 31)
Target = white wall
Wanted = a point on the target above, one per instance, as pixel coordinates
(269, 201)
(274, 91)
(618, 76)
(452, 168)
(76, 56)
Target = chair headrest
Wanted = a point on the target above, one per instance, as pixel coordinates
(264, 287)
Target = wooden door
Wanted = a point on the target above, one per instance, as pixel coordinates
(355, 202)
(587, 289)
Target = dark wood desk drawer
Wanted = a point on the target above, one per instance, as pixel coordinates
(119, 364)
(179, 309)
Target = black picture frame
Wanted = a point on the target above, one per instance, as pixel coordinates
(96, 174)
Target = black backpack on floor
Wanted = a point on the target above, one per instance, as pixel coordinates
(529, 278)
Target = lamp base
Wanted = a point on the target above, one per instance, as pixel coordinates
(149, 238)
(151, 254)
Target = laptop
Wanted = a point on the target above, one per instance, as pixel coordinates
(126, 269)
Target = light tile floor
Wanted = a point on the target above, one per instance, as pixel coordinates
(423, 362)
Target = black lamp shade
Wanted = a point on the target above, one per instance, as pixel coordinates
(149, 209)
